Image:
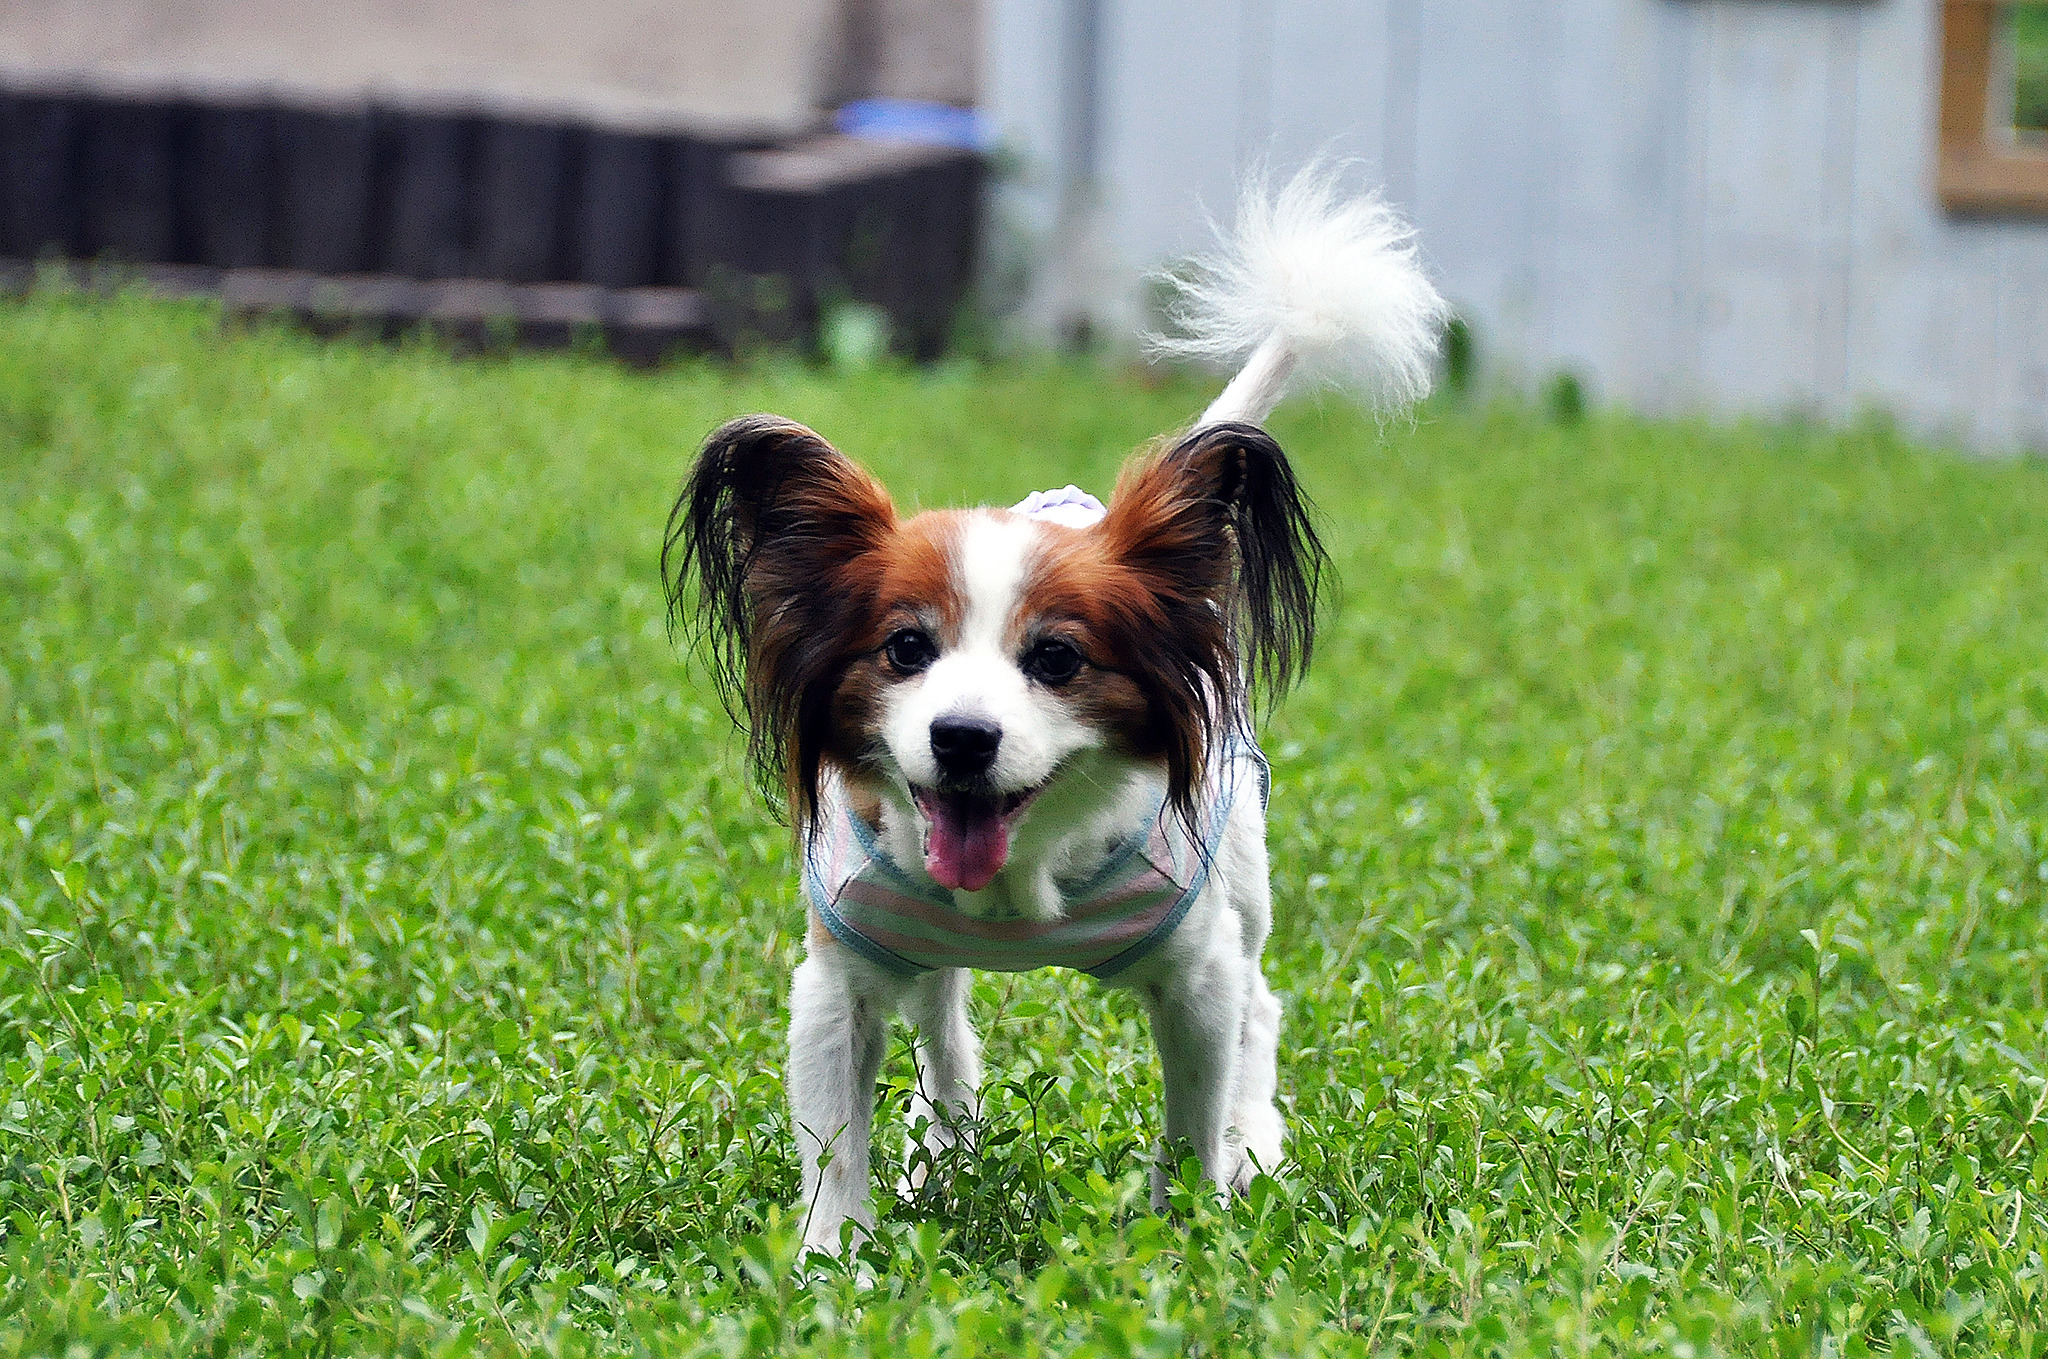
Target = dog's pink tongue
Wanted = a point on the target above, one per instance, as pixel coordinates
(967, 845)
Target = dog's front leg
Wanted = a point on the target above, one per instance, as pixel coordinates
(838, 1025)
(948, 1055)
(1198, 1011)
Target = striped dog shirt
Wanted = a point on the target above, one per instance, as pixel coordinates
(901, 920)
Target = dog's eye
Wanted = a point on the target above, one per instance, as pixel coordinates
(909, 650)
(1052, 661)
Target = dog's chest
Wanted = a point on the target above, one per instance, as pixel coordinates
(1115, 914)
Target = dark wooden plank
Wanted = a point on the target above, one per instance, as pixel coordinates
(39, 163)
(427, 201)
(766, 239)
(231, 185)
(127, 180)
(840, 219)
(325, 162)
(523, 180)
(619, 200)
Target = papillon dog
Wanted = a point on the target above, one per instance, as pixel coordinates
(1020, 738)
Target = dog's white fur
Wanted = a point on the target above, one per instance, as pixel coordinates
(1312, 285)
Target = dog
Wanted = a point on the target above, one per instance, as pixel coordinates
(1019, 738)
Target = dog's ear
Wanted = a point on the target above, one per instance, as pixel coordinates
(775, 525)
(1219, 520)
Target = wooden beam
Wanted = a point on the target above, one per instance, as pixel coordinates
(1976, 169)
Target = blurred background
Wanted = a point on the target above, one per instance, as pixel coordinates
(1822, 207)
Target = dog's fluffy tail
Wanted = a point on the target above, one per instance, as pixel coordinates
(1313, 285)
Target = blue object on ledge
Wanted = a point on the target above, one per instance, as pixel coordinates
(914, 120)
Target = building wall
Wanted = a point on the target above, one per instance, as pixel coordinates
(1718, 204)
(764, 67)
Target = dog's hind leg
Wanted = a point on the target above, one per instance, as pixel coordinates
(838, 1026)
(948, 1061)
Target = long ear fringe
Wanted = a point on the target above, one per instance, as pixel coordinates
(769, 510)
(712, 533)
(1221, 528)
(1280, 560)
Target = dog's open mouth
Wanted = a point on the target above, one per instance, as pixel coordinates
(967, 835)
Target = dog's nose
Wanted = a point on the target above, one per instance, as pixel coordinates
(965, 747)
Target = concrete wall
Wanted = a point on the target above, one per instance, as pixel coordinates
(1721, 204)
(745, 67)
(910, 49)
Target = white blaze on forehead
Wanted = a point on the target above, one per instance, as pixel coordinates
(995, 552)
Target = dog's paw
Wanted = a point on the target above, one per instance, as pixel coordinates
(826, 1258)
(1254, 1150)
(922, 1176)
(1243, 1168)
(917, 1184)
(1165, 1178)
(821, 1267)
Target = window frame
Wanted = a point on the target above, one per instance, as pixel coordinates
(1977, 171)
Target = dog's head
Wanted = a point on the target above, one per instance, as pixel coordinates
(969, 658)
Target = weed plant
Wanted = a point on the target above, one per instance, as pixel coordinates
(392, 946)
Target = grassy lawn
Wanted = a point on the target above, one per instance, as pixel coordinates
(392, 947)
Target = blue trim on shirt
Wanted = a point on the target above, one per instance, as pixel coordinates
(1136, 953)
(885, 958)
(826, 905)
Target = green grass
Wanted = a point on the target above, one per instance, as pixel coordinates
(392, 946)
(2030, 67)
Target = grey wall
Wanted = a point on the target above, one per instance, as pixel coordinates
(1719, 204)
(689, 64)
(723, 66)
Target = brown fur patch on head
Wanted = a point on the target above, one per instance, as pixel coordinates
(919, 575)
(1204, 572)
(1150, 657)
(916, 586)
